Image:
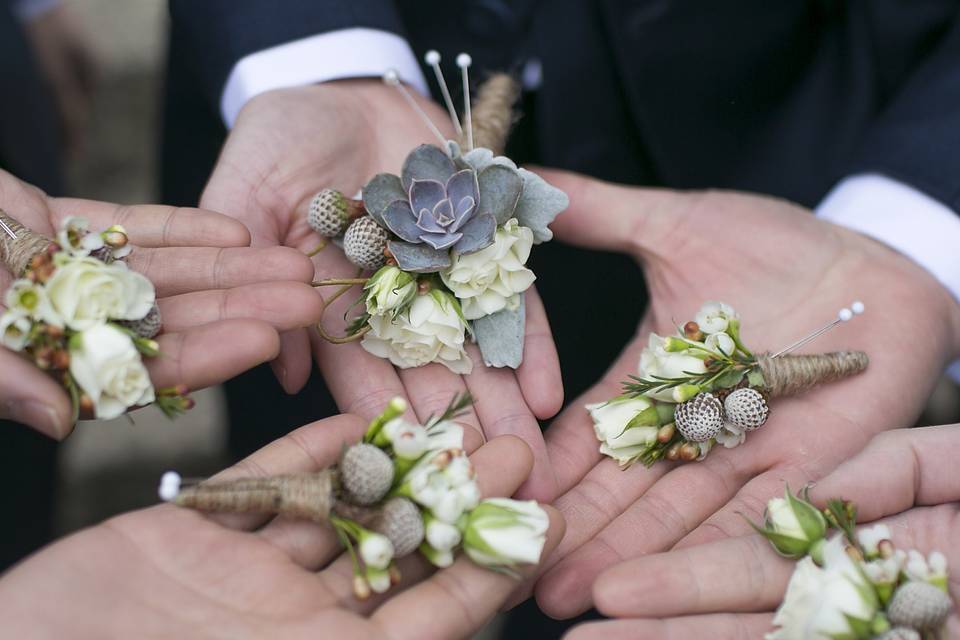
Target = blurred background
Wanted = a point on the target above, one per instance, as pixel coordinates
(105, 61)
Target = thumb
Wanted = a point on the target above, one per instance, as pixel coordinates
(30, 396)
(614, 217)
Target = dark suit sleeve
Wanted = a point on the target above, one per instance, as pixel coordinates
(916, 139)
(219, 33)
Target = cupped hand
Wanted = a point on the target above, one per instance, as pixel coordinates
(729, 588)
(222, 302)
(287, 145)
(171, 572)
(786, 273)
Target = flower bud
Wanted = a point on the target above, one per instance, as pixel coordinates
(793, 526)
(691, 331)
(378, 579)
(115, 237)
(682, 393)
(689, 451)
(442, 536)
(501, 533)
(437, 558)
(361, 589)
(389, 290)
(665, 434)
(673, 453)
(674, 344)
(375, 549)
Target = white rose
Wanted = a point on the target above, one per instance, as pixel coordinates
(389, 290)
(15, 330)
(107, 367)
(714, 317)
(502, 533)
(430, 330)
(820, 601)
(492, 279)
(87, 292)
(610, 424)
(31, 299)
(655, 360)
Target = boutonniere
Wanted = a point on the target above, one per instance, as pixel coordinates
(78, 312)
(404, 488)
(447, 240)
(702, 386)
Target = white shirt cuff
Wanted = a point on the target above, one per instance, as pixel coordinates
(347, 53)
(902, 217)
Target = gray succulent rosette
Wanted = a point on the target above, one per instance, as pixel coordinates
(446, 200)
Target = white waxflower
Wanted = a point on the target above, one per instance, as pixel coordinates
(610, 421)
(378, 579)
(431, 329)
(31, 299)
(375, 549)
(720, 343)
(74, 237)
(821, 603)
(870, 537)
(502, 533)
(87, 292)
(445, 435)
(714, 317)
(885, 571)
(492, 279)
(441, 535)
(15, 330)
(932, 569)
(409, 441)
(108, 368)
(445, 494)
(389, 290)
(655, 360)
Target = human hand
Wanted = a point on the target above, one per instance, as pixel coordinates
(286, 146)
(173, 572)
(904, 479)
(222, 303)
(786, 272)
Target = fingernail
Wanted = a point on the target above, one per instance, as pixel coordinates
(38, 415)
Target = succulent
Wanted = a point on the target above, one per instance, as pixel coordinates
(444, 202)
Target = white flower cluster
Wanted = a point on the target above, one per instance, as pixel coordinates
(64, 313)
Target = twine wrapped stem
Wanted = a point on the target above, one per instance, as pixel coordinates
(16, 254)
(304, 495)
(791, 374)
(493, 112)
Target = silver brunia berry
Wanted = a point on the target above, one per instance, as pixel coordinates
(700, 418)
(364, 243)
(328, 213)
(746, 408)
(919, 605)
(366, 474)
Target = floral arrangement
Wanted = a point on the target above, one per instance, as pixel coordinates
(855, 585)
(404, 488)
(79, 313)
(448, 240)
(702, 387)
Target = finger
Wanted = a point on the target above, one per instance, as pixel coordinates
(668, 510)
(684, 581)
(182, 270)
(294, 364)
(455, 602)
(431, 388)
(312, 545)
(283, 305)
(897, 470)
(158, 225)
(539, 373)
(571, 441)
(502, 410)
(734, 625)
(608, 216)
(30, 396)
(213, 353)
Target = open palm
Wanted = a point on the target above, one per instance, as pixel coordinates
(287, 145)
(173, 573)
(904, 479)
(222, 302)
(786, 273)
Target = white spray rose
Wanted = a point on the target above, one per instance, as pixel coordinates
(431, 329)
(31, 299)
(714, 317)
(503, 533)
(87, 292)
(108, 368)
(821, 601)
(610, 421)
(389, 290)
(492, 279)
(655, 360)
(14, 330)
(444, 482)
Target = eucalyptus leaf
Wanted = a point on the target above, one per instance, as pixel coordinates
(382, 189)
(418, 258)
(500, 336)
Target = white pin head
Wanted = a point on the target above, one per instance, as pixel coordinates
(857, 307)
(464, 60)
(844, 315)
(169, 486)
(432, 57)
(391, 77)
